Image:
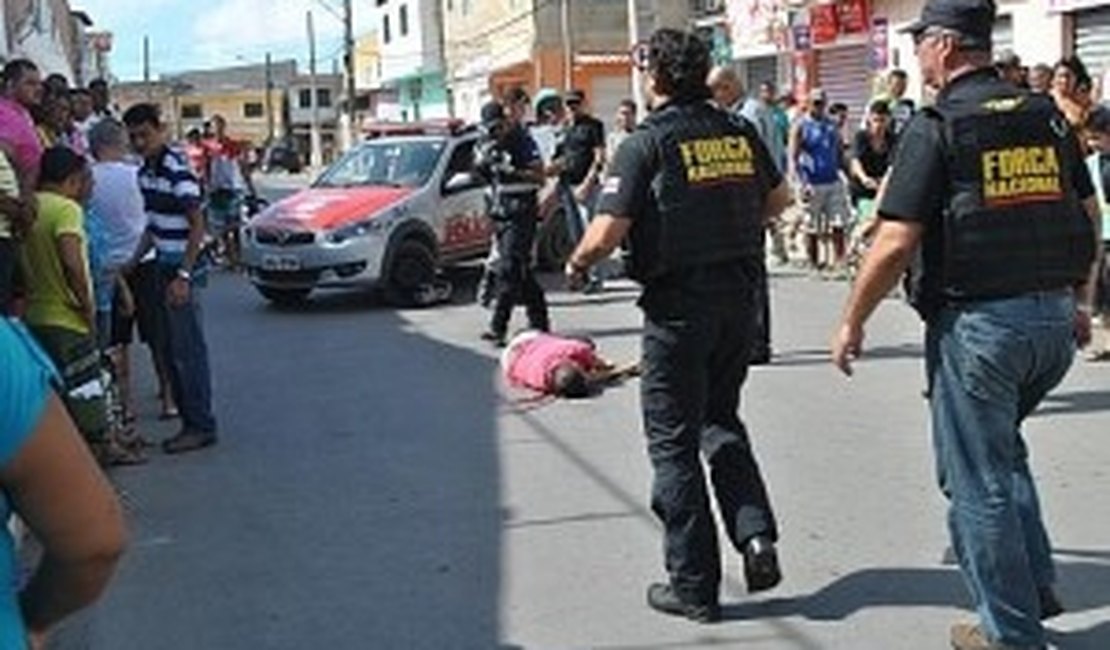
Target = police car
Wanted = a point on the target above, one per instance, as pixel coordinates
(389, 214)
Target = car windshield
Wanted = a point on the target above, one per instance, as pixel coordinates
(397, 163)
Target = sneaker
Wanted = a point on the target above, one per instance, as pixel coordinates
(965, 636)
(662, 598)
(188, 440)
(761, 564)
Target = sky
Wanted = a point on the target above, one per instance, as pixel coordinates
(199, 34)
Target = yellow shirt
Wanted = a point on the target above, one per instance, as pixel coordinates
(49, 299)
(9, 185)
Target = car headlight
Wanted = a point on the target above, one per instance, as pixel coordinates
(355, 230)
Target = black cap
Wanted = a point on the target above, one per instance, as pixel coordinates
(974, 19)
(492, 112)
(574, 96)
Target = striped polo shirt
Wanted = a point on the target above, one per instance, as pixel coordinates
(170, 193)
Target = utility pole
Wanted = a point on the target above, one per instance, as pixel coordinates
(269, 100)
(568, 53)
(349, 61)
(146, 69)
(637, 75)
(314, 159)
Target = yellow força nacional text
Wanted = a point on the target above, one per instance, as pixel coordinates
(713, 159)
(1017, 173)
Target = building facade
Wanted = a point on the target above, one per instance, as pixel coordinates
(329, 88)
(492, 45)
(410, 54)
(238, 94)
(49, 33)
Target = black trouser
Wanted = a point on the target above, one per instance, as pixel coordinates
(9, 257)
(695, 360)
(761, 346)
(516, 284)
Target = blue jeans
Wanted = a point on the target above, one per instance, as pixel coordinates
(187, 353)
(989, 365)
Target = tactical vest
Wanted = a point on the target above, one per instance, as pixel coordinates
(1013, 223)
(706, 205)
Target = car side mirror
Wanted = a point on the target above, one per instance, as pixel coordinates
(459, 182)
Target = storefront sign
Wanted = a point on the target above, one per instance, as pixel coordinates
(853, 16)
(755, 23)
(823, 23)
(1073, 5)
(802, 39)
(880, 43)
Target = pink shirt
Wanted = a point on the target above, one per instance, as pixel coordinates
(17, 133)
(532, 356)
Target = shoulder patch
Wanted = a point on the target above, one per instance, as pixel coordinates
(612, 185)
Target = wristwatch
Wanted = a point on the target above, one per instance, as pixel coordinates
(184, 274)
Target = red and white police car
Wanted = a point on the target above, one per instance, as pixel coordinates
(389, 213)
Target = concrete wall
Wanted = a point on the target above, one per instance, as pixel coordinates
(416, 52)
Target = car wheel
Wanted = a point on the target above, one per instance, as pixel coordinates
(284, 297)
(553, 243)
(412, 266)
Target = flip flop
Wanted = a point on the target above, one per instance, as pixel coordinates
(169, 414)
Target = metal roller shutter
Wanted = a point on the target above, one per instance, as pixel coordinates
(758, 70)
(845, 75)
(1092, 39)
(606, 94)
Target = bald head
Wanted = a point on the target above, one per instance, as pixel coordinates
(726, 86)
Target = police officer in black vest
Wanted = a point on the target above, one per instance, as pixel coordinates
(991, 185)
(692, 188)
(509, 160)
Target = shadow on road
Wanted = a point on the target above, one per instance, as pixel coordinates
(1084, 586)
(814, 357)
(1081, 401)
(354, 500)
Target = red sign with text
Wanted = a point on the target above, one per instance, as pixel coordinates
(823, 23)
(854, 16)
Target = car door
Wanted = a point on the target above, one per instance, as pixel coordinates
(462, 211)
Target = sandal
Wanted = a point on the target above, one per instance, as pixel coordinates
(188, 441)
(169, 413)
(109, 453)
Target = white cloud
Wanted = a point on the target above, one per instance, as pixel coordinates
(248, 28)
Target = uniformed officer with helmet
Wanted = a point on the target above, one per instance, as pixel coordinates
(692, 188)
(990, 183)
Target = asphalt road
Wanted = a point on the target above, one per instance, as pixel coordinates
(376, 487)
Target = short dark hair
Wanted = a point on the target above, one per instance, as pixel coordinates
(79, 92)
(769, 84)
(899, 73)
(679, 61)
(144, 113)
(59, 164)
(15, 69)
(515, 95)
(568, 380)
(98, 83)
(628, 103)
(1099, 121)
(838, 107)
(878, 107)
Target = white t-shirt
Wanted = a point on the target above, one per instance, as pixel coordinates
(118, 201)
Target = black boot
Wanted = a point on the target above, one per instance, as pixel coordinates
(662, 598)
(761, 564)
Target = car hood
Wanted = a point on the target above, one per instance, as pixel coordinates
(330, 208)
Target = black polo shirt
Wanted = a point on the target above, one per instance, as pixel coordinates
(577, 149)
(627, 193)
(917, 189)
